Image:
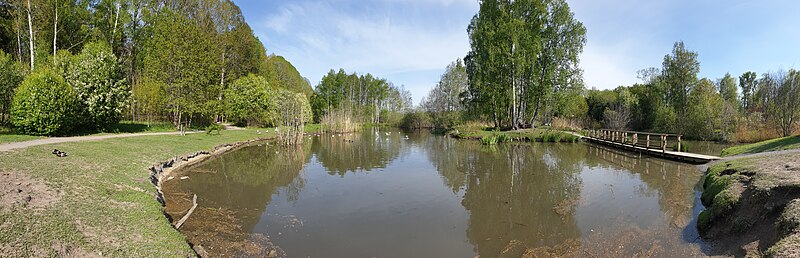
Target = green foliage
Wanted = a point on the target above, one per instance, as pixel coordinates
(489, 140)
(214, 129)
(363, 98)
(11, 75)
(282, 73)
(247, 100)
(504, 138)
(416, 119)
(680, 75)
(443, 102)
(44, 105)
(521, 53)
(557, 136)
(102, 90)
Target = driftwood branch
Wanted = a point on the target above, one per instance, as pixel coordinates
(194, 206)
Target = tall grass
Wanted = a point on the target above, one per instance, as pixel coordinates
(338, 122)
(489, 140)
(554, 136)
(504, 138)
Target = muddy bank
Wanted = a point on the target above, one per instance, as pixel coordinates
(753, 206)
(222, 238)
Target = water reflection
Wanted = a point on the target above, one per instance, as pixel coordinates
(356, 152)
(393, 194)
(233, 191)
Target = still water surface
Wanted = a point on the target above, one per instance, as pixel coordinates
(380, 194)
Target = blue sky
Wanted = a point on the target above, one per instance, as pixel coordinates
(410, 42)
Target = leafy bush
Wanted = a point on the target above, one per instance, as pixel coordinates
(98, 81)
(246, 100)
(44, 105)
(10, 77)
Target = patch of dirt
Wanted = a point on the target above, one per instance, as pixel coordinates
(71, 251)
(21, 192)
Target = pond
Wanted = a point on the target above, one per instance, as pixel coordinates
(396, 194)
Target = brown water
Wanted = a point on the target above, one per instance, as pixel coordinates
(431, 196)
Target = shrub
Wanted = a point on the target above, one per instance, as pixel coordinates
(98, 81)
(10, 77)
(44, 105)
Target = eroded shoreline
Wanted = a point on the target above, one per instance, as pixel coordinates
(165, 171)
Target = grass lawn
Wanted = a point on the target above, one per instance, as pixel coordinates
(96, 200)
(786, 143)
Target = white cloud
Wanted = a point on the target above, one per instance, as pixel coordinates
(319, 36)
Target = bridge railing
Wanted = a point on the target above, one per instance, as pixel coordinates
(657, 141)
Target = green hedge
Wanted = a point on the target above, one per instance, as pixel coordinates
(44, 105)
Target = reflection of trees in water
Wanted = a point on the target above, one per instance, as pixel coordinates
(511, 191)
(674, 183)
(242, 182)
(362, 151)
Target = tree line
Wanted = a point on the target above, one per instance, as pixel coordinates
(522, 70)
(167, 60)
(362, 98)
(673, 99)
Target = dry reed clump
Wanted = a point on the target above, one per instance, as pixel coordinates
(338, 122)
(571, 124)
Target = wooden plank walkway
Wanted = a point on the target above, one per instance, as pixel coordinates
(622, 141)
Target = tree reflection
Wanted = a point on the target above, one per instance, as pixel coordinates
(673, 183)
(235, 188)
(511, 192)
(356, 152)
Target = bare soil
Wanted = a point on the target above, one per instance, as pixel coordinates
(21, 192)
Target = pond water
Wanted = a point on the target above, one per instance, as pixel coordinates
(395, 194)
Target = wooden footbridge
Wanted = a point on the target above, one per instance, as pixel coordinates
(666, 146)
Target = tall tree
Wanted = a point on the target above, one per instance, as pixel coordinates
(748, 82)
(679, 74)
(521, 53)
(727, 88)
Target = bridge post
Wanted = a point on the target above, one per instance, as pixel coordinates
(663, 143)
(635, 139)
(679, 143)
(648, 142)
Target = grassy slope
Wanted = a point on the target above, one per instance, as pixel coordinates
(108, 202)
(786, 143)
(751, 194)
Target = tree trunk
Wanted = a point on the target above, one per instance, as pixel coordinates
(55, 32)
(30, 33)
(116, 20)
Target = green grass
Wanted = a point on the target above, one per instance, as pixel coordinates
(536, 134)
(786, 143)
(107, 205)
(7, 135)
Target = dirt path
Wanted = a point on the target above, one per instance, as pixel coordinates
(52, 140)
(704, 167)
